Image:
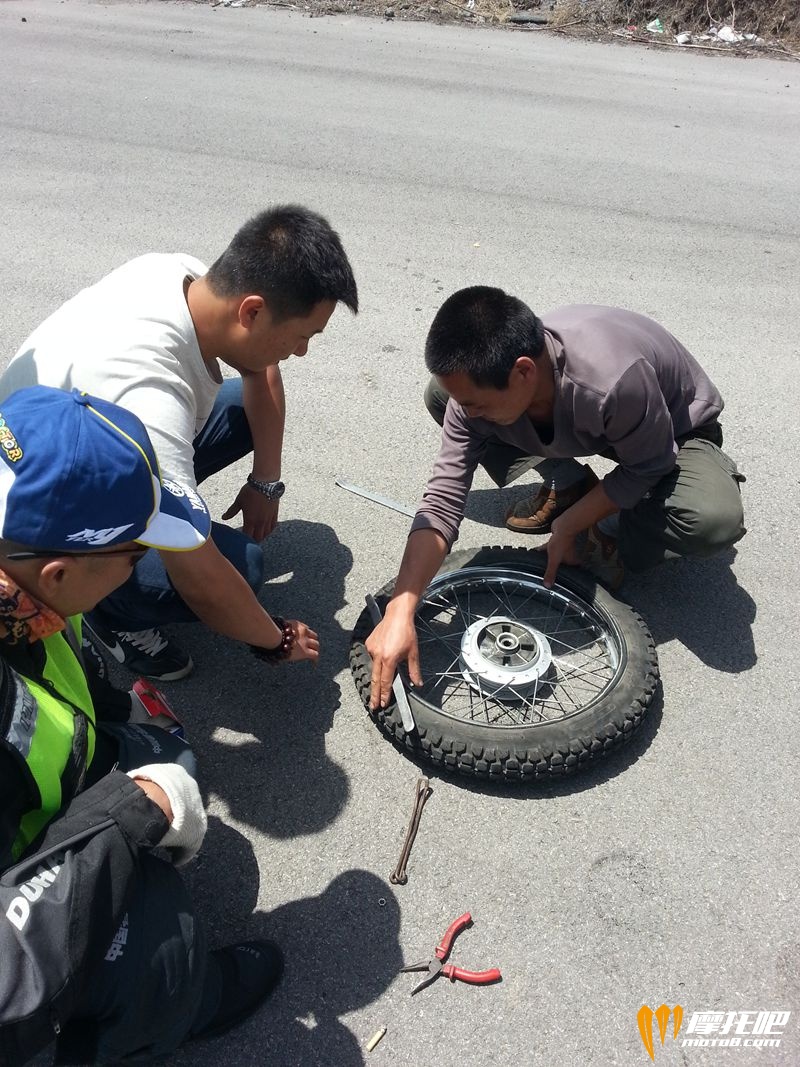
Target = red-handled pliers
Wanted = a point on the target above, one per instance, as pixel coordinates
(437, 966)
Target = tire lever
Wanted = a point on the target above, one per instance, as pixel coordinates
(399, 690)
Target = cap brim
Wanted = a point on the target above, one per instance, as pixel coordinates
(182, 521)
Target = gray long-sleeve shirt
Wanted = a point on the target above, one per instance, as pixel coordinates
(622, 383)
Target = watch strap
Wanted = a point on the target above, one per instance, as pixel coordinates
(271, 490)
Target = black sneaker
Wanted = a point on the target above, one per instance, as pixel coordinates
(142, 651)
(245, 975)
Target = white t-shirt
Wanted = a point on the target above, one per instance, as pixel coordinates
(130, 339)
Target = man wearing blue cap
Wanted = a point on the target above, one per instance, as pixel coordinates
(153, 336)
(99, 943)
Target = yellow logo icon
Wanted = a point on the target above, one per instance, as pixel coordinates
(661, 1015)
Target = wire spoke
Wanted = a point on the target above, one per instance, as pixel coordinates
(464, 618)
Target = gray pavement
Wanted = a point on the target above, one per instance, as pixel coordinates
(566, 172)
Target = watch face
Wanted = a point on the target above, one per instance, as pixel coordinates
(277, 489)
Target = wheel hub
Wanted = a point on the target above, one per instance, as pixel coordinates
(499, 652)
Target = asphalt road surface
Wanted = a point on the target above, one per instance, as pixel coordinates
(565, 172)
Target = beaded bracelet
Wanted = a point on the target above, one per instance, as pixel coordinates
(281, 651)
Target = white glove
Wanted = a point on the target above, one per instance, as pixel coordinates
(188, 828)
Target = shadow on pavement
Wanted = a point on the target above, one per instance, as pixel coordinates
(346, 952)
(258, 730)
(701, 604)
(224, 880)
(488, 506)
(342, 952)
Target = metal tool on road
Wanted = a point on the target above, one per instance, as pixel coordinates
(437, 966)
(376, 498)
(422, 791)
(399, 690)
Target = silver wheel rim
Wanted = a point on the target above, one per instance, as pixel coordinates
(499, 649)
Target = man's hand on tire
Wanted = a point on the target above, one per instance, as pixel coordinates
(560, 549)
(393, 641)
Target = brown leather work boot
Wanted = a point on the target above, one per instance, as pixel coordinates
(600, 556)
(535, 514)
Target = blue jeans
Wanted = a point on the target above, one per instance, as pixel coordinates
(149, 598)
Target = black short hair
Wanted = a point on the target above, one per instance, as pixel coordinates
(482, 332)
(291, 257)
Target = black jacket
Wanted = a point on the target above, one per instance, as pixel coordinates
(63, 901)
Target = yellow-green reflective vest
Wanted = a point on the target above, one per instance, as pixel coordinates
(43, 727)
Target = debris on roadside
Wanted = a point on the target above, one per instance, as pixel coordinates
(529, 17)
(376, 1037)
(734, 26)
(715, 40)
(728, 35)
(737, 27)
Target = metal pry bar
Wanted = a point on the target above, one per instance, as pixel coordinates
(377, 498)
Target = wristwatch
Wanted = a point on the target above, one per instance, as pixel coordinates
(271, 490)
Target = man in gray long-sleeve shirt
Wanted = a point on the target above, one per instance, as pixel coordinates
(512, 392)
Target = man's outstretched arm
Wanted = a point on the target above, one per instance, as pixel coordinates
(265, 408)
(395, 638)
(215, 591)
(433, 532)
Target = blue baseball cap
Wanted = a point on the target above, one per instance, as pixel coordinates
(79, 473)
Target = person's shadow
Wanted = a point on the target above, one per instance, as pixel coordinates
(701, 604)
(346, 954)
(259, 730)
(342, 952)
